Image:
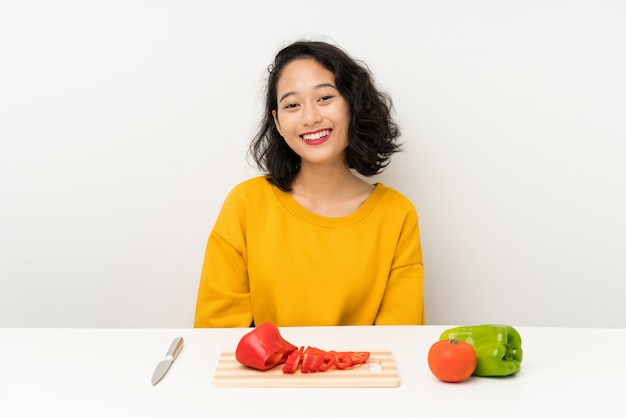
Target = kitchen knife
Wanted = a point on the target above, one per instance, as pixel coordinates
(164, 365)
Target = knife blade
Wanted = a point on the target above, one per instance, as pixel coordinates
(164, 365)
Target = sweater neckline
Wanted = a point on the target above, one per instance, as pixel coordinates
(292, 206)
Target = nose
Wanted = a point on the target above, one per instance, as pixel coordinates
(311, 115)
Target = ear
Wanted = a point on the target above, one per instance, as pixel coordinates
(276, 122)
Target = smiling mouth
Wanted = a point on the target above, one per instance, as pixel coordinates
(316, 136)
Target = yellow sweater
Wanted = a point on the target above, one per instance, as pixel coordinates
(270, 259)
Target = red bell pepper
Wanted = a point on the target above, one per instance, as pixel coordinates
(293, 361)
(328, 361)
(312, 360)
(263, 348)
(343, 360)
(308, 358)
(359, 357)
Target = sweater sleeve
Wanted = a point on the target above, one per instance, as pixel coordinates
(403, 300)
(224, 292)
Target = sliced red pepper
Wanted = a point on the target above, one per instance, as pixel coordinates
(343, 360)
(293, 361)
(307, 359)
(328, 361)
(312, 359)
(263, 348)
(318, 360)
(359, 357)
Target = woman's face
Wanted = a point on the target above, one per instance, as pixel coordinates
(312, 116)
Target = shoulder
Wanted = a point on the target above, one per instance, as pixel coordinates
(398, 209)
(245, 198)
(252, 185)
(249, 191)
(393, 198)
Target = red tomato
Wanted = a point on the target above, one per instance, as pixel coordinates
(452, 360)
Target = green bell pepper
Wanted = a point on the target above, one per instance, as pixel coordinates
(498, 347)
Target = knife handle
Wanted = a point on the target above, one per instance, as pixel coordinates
(175, 348)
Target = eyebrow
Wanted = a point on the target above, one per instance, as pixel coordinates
(319, 86)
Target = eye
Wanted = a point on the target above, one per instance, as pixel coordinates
(291, 106)
(326, 98)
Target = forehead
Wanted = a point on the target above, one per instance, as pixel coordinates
(303, 73)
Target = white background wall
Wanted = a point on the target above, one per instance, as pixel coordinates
(124, 123)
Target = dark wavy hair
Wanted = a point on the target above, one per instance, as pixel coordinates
(372, 132)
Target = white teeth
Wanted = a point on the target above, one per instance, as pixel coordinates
(317, 135)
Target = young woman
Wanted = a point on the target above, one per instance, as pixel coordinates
(311, 242)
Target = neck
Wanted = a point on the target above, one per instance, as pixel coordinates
(323, 181)
(330, 190)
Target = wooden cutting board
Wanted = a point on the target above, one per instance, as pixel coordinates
(380, 371)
